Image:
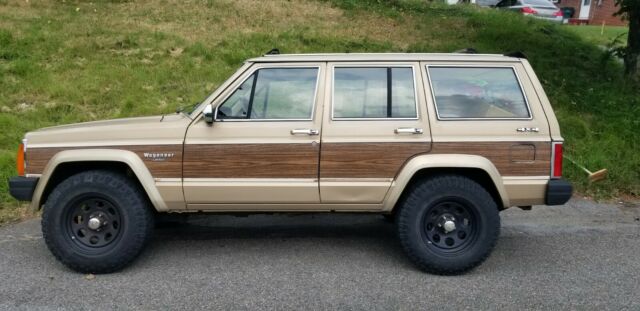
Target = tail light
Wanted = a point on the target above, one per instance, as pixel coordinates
(528, 10)
(556, 159)
(559, 13)
(20, 163)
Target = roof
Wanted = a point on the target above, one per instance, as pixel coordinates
(381, 57)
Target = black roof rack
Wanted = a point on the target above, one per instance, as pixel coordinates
(273, 52)
(467, 51)
(516, 54)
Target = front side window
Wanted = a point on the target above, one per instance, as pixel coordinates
(475, 92)
(272, 94)
(374, 92)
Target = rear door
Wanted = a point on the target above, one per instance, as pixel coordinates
(263, 147)
(374, 122)
(491, 110)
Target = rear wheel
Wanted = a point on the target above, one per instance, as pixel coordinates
(448, 224)
(97, 221)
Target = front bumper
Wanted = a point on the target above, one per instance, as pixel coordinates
(558, 192)
(22, 188)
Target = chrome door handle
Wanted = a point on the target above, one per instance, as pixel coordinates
(309, 132)
(408, 130)
(527, 129)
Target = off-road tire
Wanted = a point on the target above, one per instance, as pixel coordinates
(130, 230)
(448, 197)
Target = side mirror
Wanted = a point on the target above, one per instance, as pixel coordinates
(208, 113)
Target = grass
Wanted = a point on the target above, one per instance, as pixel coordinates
(73, 61)
(600, 36)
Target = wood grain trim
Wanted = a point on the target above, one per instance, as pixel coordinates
(366, 160)
(37, 158)
(251, 161)
(506, 156)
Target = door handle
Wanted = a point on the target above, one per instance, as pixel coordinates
(408, 130)
(309, 132)
(527, 129)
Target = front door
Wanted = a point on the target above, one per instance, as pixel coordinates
(375, 122)
(263, 147)
(585, 9)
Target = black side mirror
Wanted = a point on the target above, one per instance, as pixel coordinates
(208, 113)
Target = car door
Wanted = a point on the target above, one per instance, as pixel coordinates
(376, 121)
(492, 110)
(263, 146)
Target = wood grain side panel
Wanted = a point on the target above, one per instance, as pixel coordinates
(366, 160)
(510, 158)
(251, 161)
(171, 167)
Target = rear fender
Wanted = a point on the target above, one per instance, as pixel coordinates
(430, 161)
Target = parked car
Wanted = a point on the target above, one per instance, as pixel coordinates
(542, 9)
(441, 142)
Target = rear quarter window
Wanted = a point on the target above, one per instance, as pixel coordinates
(477, 93)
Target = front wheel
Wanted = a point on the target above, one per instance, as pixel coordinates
(97, 221)
(448, 224)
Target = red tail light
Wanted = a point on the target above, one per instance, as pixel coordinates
(556, 158)
(20, 160)
(528, 10)
(559, 13)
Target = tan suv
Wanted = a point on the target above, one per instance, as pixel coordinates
(440, 142)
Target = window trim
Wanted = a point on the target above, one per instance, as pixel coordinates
(513, 69)
(235, 87)
(333, 91)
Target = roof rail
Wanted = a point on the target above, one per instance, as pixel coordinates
(516, 54)
(274, 51)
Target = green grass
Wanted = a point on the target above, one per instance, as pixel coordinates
(64, 62)
(599, 36)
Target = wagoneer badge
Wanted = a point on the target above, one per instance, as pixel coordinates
(158, 156)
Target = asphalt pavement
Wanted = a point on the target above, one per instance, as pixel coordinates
(579, 256)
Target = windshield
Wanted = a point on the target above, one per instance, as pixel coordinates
(219, 89)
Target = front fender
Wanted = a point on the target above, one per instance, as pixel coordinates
(442, 161)
(101, 155)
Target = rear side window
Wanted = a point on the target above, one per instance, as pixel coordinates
(374, 93)
(476, 92)
(273, 94)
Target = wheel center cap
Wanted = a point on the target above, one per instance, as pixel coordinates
(449, 226)
(94, 223)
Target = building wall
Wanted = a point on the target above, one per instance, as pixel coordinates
(601, 10)
(604, 13)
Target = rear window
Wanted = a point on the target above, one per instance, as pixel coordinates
(538, 3)
(478, 93)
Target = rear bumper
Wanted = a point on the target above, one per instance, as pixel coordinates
(558, 192)
(554, 19)
(22, 188)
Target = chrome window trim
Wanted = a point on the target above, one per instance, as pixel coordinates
(415, 90)
(313, 107)
(515, 72)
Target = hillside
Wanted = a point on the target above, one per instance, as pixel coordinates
(64, 62)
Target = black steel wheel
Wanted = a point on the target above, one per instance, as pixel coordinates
(93, 221)
(450, 225)
(447, 224)
(97, 221)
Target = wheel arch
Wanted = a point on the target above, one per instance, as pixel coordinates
(478, 168)
(68, 162)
